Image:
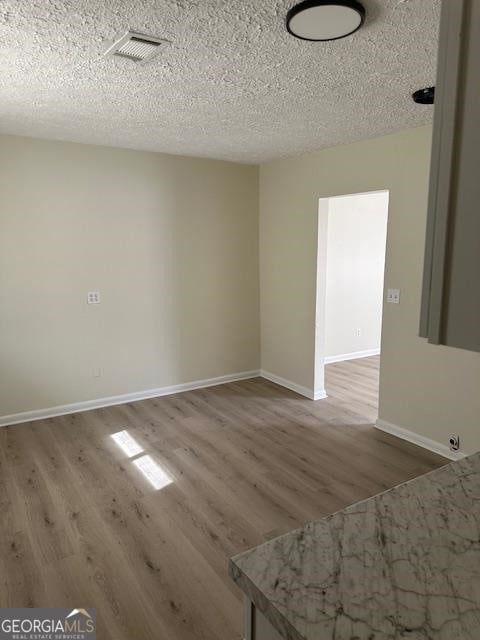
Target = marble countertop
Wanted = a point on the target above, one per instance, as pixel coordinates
(404, 564)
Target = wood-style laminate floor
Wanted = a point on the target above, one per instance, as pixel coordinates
(82, 526)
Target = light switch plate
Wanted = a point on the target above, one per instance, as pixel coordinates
(393, 296)
(93, 297)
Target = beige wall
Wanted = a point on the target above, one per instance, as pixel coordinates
(428, 389)
(171, 243)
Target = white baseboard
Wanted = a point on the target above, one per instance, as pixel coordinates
(87, 405)
(351, 356)
(421, 441)
(318, 394)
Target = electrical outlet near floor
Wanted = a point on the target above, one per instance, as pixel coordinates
(358, 332)
(454, 442)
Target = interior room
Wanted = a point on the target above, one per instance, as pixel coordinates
(239, 356)
(352, 237)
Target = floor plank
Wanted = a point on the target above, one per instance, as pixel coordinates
(240, 463)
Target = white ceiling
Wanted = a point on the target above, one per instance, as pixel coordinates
(233, 84)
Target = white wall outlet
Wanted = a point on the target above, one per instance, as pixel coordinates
(358, 332)
(93, 297)
(97, 373)
(393, 296)
(454, 442)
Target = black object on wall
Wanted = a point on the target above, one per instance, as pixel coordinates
(424, 96)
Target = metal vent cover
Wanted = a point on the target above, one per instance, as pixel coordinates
(136, 46)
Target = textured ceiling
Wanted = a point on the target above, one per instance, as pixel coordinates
(233, 84)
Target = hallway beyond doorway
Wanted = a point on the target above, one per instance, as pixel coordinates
(354, 385)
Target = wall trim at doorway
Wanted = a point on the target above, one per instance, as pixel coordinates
(318, 394)
(351, 356)
(98, 403)
(421, 441)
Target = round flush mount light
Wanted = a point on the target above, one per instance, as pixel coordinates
(321, 20)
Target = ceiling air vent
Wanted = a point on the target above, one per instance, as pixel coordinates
(136, 46)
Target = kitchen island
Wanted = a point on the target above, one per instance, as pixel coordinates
(402, 564)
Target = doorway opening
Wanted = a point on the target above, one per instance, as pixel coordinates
(351, 248)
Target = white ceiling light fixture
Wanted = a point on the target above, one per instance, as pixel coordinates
(136, 46)
(323, 20)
